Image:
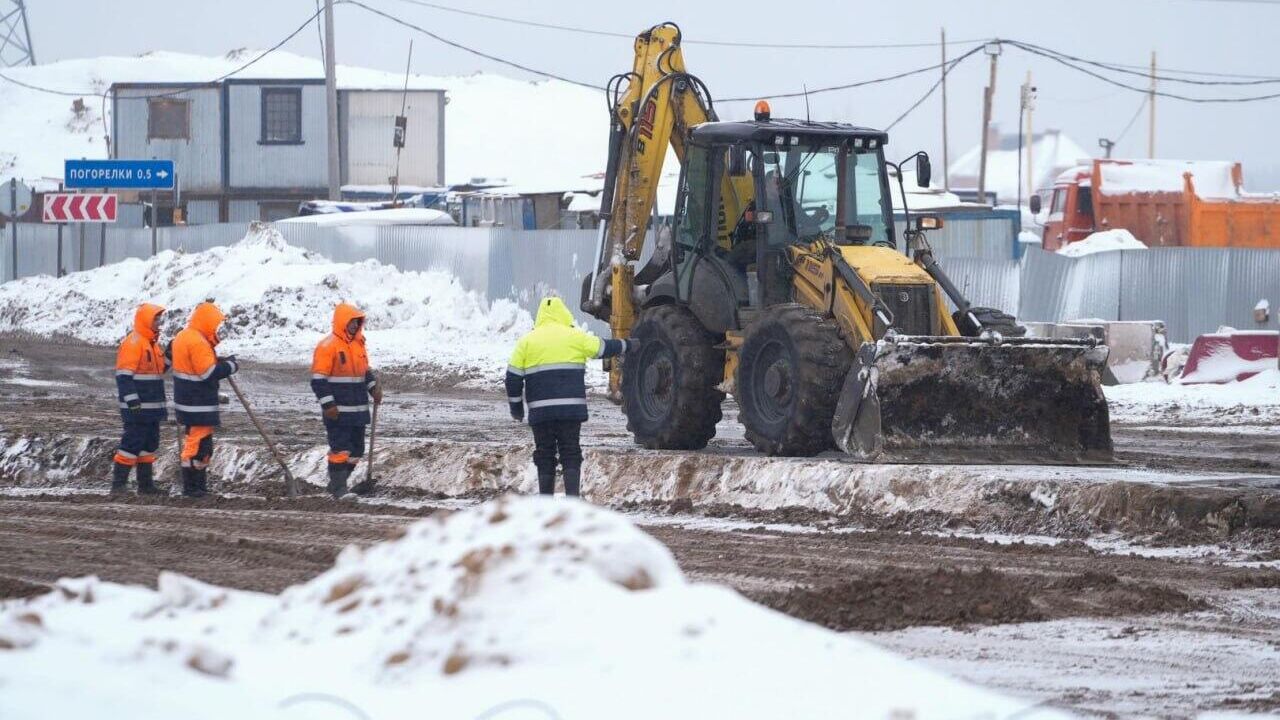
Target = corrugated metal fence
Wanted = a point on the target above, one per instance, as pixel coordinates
(1193, 290)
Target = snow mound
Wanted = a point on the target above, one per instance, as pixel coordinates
(1255, 401)
(1104, 241)
(279, 302)
(528, 607)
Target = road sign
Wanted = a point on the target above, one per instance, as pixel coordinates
(15, 198)
(86, 207)
(137, 174)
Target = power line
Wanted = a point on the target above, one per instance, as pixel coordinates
(1146, 91)
(951, 65)
(471, 50)
(1138, 112)
(717, 43)
(1144, 75)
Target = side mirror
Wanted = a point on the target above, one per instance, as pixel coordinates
(924, 170)
(1034, 203)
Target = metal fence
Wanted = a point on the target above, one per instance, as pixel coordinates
(1193, 290)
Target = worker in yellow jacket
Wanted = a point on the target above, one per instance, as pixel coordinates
(547, 373)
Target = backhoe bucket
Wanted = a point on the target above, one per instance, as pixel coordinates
(983, 400)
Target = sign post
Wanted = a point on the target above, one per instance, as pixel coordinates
(14, 202)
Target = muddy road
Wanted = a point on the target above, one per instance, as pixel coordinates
(890, 587)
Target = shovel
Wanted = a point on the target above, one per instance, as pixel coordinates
(291, 485)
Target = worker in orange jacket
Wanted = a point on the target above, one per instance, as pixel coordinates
(343, 383)
(140, 368)
(197, 372)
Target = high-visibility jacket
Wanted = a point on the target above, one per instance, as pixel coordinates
(340, 374)
(548, 367)
(140, 367)
(197, 370)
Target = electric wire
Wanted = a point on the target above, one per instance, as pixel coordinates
(719, 43)
(951, 65)
(1146, 75)
(1132, 120)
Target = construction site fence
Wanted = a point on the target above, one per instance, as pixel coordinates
(1192, 290)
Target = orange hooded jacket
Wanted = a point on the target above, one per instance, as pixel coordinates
(140, 367)
(340, 374)
(197, 369)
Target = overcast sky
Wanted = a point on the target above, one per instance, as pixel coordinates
(1226, 36)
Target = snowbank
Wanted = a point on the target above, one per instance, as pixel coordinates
(1252, 401)
(391, 216)
(279, 302)
(1104, 241)
(547, 608)
(560, 138)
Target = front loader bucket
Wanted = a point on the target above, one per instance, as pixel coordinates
(956, 399)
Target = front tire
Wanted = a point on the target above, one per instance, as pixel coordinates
(669, 384)
(790, 372)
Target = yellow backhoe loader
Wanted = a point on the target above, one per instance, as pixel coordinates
(783, 280)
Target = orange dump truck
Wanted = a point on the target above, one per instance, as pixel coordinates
(1162, 203)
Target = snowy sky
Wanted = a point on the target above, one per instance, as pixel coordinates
(1233, 36)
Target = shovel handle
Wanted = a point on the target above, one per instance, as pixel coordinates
(291, 485)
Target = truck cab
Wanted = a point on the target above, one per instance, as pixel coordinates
(1071, 216)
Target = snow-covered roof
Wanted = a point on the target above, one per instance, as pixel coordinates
(560, 138)
(1211, 178)
(1051, 153)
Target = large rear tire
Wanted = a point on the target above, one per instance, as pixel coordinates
(790, 372)
(669, 384)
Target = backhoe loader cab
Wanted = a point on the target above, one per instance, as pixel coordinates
(786, 283)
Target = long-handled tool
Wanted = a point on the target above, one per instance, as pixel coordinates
(291, 485)
(366, 486)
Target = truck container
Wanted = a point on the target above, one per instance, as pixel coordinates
(1162, 203)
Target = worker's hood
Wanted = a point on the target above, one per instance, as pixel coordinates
(144, 318)
(205, 320)
(552, 310)
(343, 314)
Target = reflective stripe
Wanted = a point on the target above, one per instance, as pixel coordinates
(559, 401)
(148, 377)
(124, 454)
(514, 370)
(340, 379)
(146, 405)
(353, 408)
(515, 400)
(197, 378)
(600, 352)
(326, 399)
(319, 376)
(372, 383)
(146, 453)
(196, 408)
(130, 396)
(124, 372)
(555, 366)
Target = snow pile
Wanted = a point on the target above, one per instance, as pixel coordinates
(389, 216)
(541, 607)
(1248, 402)
(560, 137)
(1104, 241)
(279, 302)
(1210, 178)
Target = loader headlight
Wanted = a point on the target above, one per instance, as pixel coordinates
(928, 222)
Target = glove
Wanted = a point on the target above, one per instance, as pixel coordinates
(517, 413)
(331, 412)
(235, 364)
(376, 394)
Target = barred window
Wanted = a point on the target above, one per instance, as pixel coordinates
(281, 115)
(168, 119)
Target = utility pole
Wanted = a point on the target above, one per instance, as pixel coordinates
(993, 51)
(331, 97)
(946, 160)
(1029, 104)
(1151, 104)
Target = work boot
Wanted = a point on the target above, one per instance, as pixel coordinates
(547, 483)
(202, 480)
(119, 478)
(338, 473)
(572, 481)
(191, 483)
(146, 479)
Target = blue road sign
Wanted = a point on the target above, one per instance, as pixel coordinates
(135, 174)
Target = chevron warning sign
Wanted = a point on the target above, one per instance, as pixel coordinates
(86, 207)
